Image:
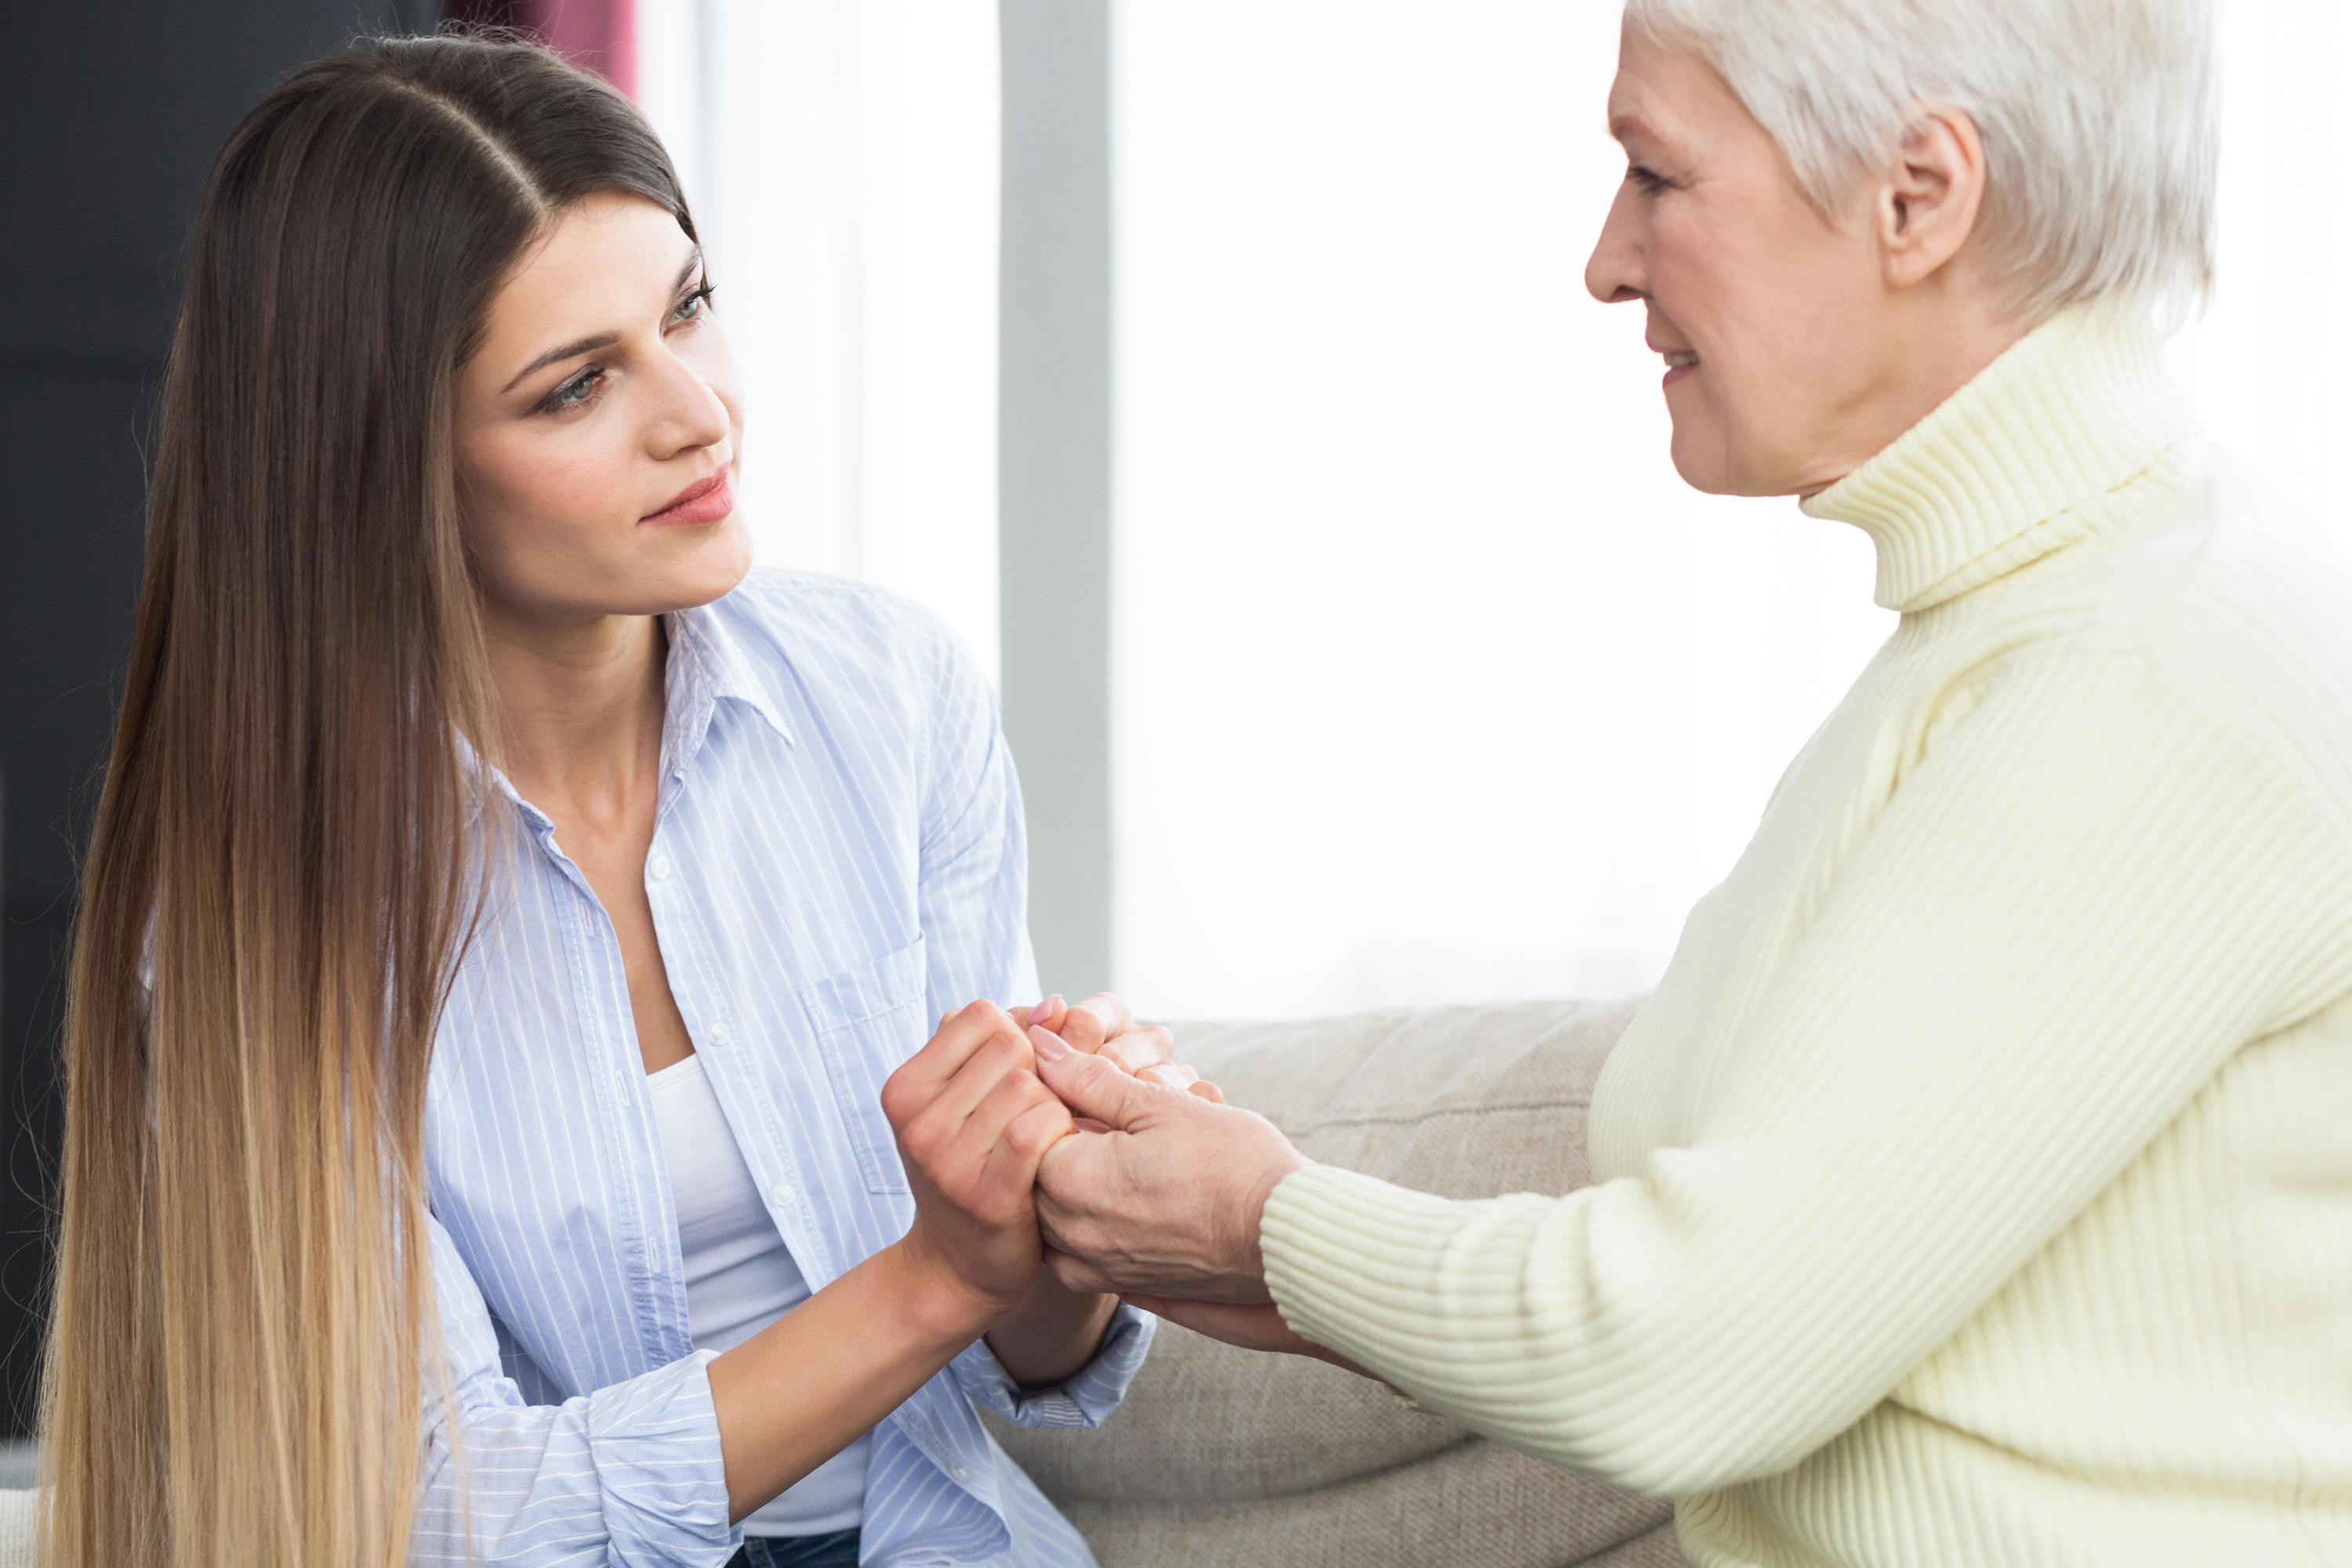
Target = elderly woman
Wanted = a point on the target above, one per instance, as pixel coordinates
(1976, 1188)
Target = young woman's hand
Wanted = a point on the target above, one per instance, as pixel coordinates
(1057, 1331)
(972, 1121)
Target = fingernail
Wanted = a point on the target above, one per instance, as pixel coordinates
(1048, 1044)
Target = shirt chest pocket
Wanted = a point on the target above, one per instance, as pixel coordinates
(868, 1021)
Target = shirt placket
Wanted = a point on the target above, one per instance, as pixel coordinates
(710, 1018)
(643, 1224)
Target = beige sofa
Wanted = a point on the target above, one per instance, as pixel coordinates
(1223, 1457)
(17, 1522)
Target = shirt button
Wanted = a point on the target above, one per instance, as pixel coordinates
(719, 1034)
(660, 867)
(960, 1472)
(781, 1194)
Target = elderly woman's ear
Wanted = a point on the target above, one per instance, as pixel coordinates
(1925, 205)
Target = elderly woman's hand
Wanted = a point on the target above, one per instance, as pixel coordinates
(1167, 1200)
(1102, 1025)
(1250, 1326)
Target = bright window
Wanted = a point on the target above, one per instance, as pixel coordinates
(841, 157)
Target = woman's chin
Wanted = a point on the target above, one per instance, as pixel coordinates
(1699, 459)
(1711, 464)
(707, 588)
(710, 567)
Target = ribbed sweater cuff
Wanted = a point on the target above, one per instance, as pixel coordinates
(1359, 1266)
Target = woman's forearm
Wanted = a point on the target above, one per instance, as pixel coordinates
(1052, 1334)
(818, 1378)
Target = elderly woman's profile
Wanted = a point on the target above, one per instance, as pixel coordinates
(1976, 1187)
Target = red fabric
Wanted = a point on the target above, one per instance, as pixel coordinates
(600, 35)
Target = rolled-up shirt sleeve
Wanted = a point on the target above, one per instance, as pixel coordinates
(1085, 1398)
(631, 1474)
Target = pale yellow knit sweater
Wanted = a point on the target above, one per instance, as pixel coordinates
(1976, 1188)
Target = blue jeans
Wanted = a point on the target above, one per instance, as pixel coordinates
(838, 1549)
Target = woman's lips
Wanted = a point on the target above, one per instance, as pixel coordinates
(706, 501)
(1678, 365)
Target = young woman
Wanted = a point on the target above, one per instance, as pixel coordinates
(511, 928)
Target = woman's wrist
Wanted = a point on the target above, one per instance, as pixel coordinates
(1052, 1334)
(944, 1306)
(1039, 1340)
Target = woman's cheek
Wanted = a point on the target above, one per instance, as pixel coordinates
(566, 505)
(584, 482)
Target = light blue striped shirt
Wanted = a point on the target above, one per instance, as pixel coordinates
(837, 860)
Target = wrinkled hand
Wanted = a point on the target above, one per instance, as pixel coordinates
(1102, 1025)
(972, 1121)
(1167, 1202)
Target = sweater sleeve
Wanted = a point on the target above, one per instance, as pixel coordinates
(2060, 926)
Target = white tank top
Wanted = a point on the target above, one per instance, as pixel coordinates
(740, 1277)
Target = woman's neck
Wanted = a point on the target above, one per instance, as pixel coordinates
(583, 703)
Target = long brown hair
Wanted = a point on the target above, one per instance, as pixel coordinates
(289, 843)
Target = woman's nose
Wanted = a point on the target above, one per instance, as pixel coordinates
(693, 414)
(1616, 272)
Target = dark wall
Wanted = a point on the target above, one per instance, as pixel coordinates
(109, 113)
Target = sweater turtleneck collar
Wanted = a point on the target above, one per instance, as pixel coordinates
(1995, 477)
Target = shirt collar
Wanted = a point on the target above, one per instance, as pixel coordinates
(1996, 477)
(706, 667)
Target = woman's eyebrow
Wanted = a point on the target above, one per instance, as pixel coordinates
(601, 340)
(585, 345)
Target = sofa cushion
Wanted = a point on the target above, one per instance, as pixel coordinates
(1222, 1455)
(20, 1524)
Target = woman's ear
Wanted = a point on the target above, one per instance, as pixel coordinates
(1927, 205)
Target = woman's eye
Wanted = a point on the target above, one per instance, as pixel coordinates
(1650, 181)
(691, 306)
(573, 393)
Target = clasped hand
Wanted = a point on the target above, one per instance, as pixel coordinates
(1060, 1154)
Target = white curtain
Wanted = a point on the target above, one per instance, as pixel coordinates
(1432, 683)
(842, 159)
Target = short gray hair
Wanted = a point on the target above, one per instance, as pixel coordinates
(2098, 118)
